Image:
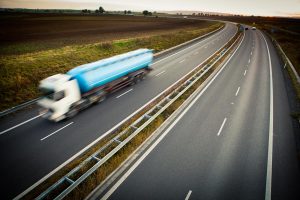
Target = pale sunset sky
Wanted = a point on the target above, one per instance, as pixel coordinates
(245, 7)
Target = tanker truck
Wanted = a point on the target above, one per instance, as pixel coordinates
(66, 94)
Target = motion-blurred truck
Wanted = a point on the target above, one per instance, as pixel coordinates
(66, 94)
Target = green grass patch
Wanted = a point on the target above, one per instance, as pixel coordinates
(20, 74)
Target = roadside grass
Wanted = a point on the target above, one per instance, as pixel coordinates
(106, 169)
(20, 74)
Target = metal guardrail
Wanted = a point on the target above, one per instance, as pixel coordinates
(286, 59)
(33, 101)
(98, 158)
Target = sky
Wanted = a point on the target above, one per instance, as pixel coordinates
(244, 7)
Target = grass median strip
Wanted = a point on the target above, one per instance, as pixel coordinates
(103, 171)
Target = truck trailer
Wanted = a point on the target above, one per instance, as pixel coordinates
(66, 94)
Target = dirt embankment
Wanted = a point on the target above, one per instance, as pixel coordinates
(32, 32)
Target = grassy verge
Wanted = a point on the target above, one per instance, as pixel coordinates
(101, 173)
(20, 74)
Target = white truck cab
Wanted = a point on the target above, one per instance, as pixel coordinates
(60, 94)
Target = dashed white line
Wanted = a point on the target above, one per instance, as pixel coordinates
(56, 131)
(251, 53)
(124, 93)
(245, 72)
(182, 61)
(188, 195)
(249, 60)
(237, 92)
(196, 53)
(222, 126)
(160, 73)
(2, 132)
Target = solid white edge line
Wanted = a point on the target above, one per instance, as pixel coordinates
(188, 195)
(16, 126)
(56, 131)
(222, 126)
(160, 73)
(124, 93)
(268, 193)
(103, 135)
(136, 164)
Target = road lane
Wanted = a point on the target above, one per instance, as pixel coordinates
(39, 158)
(233, 165)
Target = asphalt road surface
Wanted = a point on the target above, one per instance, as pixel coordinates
(31, 147)
(223, 147)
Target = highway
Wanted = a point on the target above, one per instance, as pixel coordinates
(234, 141)
(31, 147)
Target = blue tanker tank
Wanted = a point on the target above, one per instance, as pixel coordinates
(96, 74)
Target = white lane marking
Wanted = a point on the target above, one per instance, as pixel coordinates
(222, 126)
(232, 103)
(205, 47)
(270, 147)
(137, 163)
(16, 126)
(237, 92)
(56, 131)
(182, 61)
(124, 93)
(249, 60)
(251, 53)
(196, 53)
(188, 195)
(209, 37)
(160, 73)
(245, 72)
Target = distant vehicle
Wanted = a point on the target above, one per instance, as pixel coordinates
(246, 28)
(82, 86)
(185, 17)
(253, 28)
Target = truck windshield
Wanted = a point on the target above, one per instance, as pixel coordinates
(55, 96)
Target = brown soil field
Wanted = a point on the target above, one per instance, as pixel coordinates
(32, 32)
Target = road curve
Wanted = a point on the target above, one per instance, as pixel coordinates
(35, 148)
(223, 148)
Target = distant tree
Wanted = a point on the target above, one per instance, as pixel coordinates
(125, 12)
(194, 14)
(129, 12)
(150, 13)
(101, 10)
(84, 11)
(96, 11)
(145, 12)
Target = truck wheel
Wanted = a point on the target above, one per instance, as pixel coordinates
(101, 99)
(142, 76)
(73, 111)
